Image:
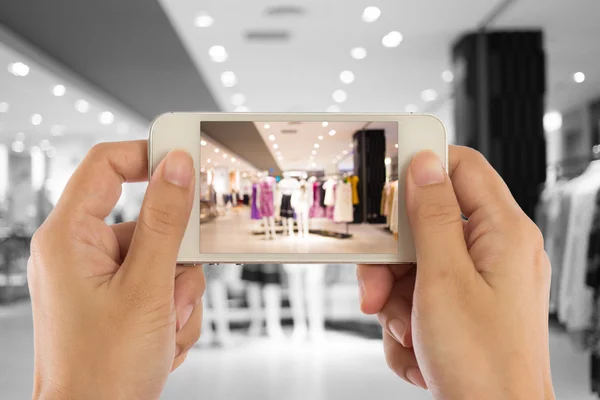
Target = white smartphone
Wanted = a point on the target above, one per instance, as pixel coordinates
(298, 188)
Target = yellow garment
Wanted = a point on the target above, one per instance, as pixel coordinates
(354, 182)
(390, 198)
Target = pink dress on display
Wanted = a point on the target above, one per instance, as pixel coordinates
(266, 207)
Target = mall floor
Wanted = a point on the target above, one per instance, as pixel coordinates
(344, 367)
(235, 226)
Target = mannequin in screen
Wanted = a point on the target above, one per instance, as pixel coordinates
(265, 201)
(302, 201)
(288, 188)
(307, 300)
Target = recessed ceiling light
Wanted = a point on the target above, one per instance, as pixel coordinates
(552, 121)
(225, 155)
(275, 146)
(347, 77)
(217, 150)
(333, 109)
(36, 119)
(272, 138)
(59, 90)
(345, 152)
(392, 39)
(18, 69)
(203, 20)
(429, 95)
(396, 145)
(203, 142)
(339, 96)
(320, 138)
(208, 161)
(388, 161)
(45, 144)
(324, 124)
(316, 146)
(411, 108)
(579, 77)
(4, 107)
(332, 132)
(238, 99)
(314, 152)
(82, 106)
(218, 53)
(351, 145)
(18, 146)
(267, 126)
(232, 159)
(244, 175)
(358, 53)
(447, 76)
(57, 130)
(371, 14)
(228, 79)
(106, 118)
(202, 169)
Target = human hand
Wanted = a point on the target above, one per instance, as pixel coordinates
(112, 314)
(470, 321)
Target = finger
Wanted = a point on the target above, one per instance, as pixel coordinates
(395, 316)
(189, 288)
(162, 221)
(124, 232)
(189, 333)
(402, 361)
(435, 220)
(95, 187)
(180, 359)
(375, 283)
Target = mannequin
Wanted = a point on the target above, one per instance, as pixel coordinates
(264, 282)
(216, 296)
(307, 298)
(302, 201)
(265, 201)
(288, 187)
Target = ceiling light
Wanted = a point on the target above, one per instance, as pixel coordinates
(4, 107)
(218, 54)
(208, 161)
(333, 109)
(324, 124)
(371, 14)
(396, 145)
(238, 99)
(82, 106)
(314, 165)
(244, 175)
(272, 138)
(18, 146)
(45, 144)
(447, 76)
(320, 138)
(59, 90)
(216, 150)
(339, 96)
(241, 109)
(552, 121)
(57, 130)
(36, 119)
(411, 108)
(106, 118)
(51, 152)
(314, 152)
(232, 159)
(203, 143)
(316, 146)
(18, 69)
(392, 39)
(388, 161)
(203, 20)
(225, 155)
(579, 77)
(267, 126)
(332, 132)
(228, 79)
(351, 145)
(345, 152)
(202, 169)
(347, 77)
(275, 146)
(429, 95)
(358, 53)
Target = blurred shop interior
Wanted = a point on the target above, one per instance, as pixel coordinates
(516, 80)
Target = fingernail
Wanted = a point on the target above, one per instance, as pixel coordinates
(416, 377)
(179, 168)
(397, 328)
(426, 169)
(185, 315)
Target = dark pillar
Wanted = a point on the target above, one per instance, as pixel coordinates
(369, 166)
(499, 106)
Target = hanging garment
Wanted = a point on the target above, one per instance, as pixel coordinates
(343, 211)
(383, 208)
(354, 182)
(266, 203)
(593, 282)
(329, 187)
(254, 212)
(393, 209)
(286, 210)
(317, 210)
(322, 194)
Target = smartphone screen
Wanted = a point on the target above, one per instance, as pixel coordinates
(299, 187)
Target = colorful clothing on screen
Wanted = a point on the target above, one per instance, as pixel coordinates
(317, 210)
(266, 205)
(254, 213)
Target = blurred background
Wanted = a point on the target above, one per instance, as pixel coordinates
(518, 80)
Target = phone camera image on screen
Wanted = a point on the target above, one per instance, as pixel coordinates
(299, 187)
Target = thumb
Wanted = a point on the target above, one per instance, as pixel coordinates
(435, 219)
(163, 219)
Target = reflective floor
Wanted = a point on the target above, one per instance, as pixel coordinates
(343, 367)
